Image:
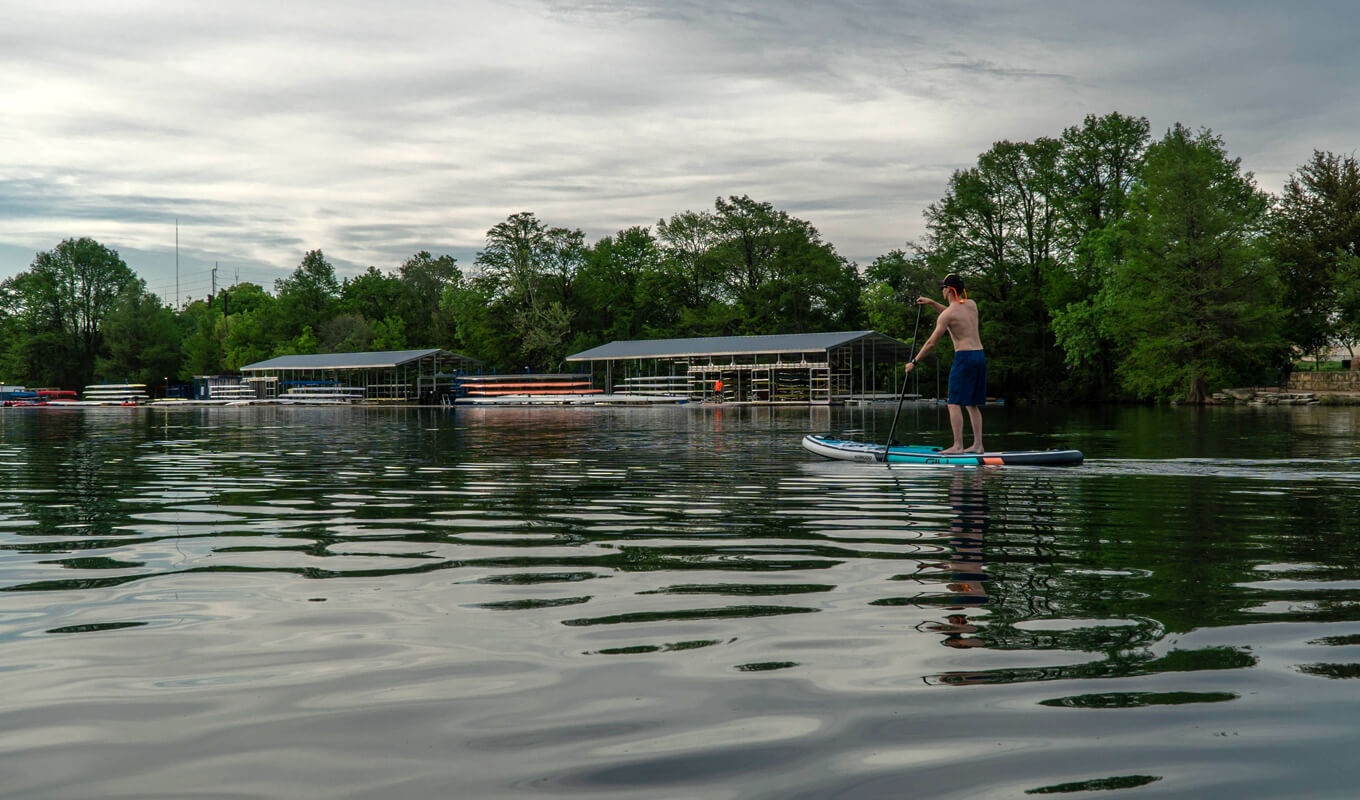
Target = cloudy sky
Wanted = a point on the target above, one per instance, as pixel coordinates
(373, 130)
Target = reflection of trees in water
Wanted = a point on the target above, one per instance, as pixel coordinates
(1107, 569)
(1037, 570)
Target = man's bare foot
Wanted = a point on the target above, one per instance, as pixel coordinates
(977, 448)
(949, 451)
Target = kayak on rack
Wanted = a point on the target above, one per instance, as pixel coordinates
(850, 450)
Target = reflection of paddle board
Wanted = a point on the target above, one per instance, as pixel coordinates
(903, 454)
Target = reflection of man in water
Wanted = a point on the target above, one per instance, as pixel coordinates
(968, 498)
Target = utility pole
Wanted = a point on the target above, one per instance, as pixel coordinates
(176, 263)
(214, 284)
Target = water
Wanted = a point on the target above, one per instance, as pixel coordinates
(674, 602)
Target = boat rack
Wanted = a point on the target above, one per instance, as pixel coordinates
(657, 385)
(776, 382)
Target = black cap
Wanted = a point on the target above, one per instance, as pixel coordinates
(953, 281)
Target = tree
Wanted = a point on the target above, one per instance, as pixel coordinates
(59, 307)
(778, 272)
(1316, 239)
(893, 282)
(1348, 307)
(346, 333)
(246, 333)
(687, 241)
(244, 298)
(532, 268)
(618, 290)
(1194, 301)
(1098, 165)
(1001, 225)
(480, 320)
(425, 278)
(389, 333)
(35, 349)
(372, 295)
(303, 344)
(201, 346)
(248, 338)
(143, 341)
(306, 299)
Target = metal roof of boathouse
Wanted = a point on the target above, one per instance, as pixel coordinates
(371, 360)
(733, 345)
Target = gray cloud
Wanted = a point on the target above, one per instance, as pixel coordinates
(373, 131)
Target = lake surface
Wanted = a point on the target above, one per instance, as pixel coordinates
(675, 603)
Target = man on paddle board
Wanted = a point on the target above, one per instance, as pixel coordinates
(968, 377)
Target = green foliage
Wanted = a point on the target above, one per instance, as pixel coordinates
(1316, 242)
(532, 269)
(143, 341)
(621, 289)
(1104, 268)
(479, 321)
(345, 333)
(202, 348)
(893, 282)
(57, 310)
(425, 279)
(1001, 225)
(779, 272)
(1347, 324)
(389, 333)
(247, 338)
(372, 295)
(1099, 165)
(246, 298)
(306, 298)
(1194, 301)
(304, 343)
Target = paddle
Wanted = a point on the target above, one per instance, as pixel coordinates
(903, 394)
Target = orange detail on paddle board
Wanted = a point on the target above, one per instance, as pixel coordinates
(993, 460)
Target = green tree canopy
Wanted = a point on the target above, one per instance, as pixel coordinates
(58, 309)
(1194, 301)
(620, 290)
(1099, 165)
(143, 342)
(306, 298)
(202, 334)
(1000, 224)
(894, 281)
(426, 277)
(1316, 241)
(532, 268)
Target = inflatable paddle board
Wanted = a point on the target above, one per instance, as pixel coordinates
(848, 450)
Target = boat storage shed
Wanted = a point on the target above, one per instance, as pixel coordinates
(780, 368)
(391, 375)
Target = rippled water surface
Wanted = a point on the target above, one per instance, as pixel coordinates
(674, 602)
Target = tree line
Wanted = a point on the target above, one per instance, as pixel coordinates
(1106, 265)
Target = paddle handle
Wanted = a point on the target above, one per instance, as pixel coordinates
(902, 395)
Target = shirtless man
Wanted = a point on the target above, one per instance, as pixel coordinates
(968, 377)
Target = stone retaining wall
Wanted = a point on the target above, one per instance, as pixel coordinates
(1324, 381)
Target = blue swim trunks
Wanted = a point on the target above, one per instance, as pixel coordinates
(968, 378)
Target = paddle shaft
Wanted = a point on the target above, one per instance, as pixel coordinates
(902, 395)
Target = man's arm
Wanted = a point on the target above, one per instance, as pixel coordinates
(940, 328)
(926, 301)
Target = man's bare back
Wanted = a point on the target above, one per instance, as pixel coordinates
(961, 320)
